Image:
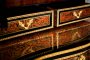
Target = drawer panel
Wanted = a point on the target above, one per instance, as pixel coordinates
(29, 23)
(72, 35)
(68, 15)
(74, 14)
(24, 45)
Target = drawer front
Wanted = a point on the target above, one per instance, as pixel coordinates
(27, 45)
(73, 14)
(72, 35)
(29, 23)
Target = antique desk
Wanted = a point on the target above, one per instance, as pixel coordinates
(53, 31)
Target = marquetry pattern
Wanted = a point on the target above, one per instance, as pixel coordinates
(74, 14)
(28, 23)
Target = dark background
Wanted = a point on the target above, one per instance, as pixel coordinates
(14, 3)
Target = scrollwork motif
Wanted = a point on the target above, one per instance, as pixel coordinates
(30, 21)
(77, 15)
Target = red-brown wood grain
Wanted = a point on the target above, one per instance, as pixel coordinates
(15, 26)
(69, 15)
(21, 46)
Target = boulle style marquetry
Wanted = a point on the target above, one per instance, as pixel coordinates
(73, 14)
(72, 34)
(47, 31)
(28, 45)
(48, 42)
(26, 24)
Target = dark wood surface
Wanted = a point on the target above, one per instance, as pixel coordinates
(16, 10)
(21, 46)
(13, 3)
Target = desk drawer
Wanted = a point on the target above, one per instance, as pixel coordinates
(71, 35)
(73, 14)
(26, 24)
(24, 45)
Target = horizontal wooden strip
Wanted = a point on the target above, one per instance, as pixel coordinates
(87, 5)
(63, 52)
(27, 15)
(71, 56)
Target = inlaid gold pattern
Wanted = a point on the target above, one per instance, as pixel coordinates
(72, 15)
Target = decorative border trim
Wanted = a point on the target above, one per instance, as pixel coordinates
(28, 15)
(69, 9)
(71, 55)
(63, 52)
(37, 30)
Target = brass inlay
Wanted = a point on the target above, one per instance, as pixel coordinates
(30, 21)
(27, 15)
(82, 57)
(76, 34)
(74, 55)
(77, 15)
(74, 13)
